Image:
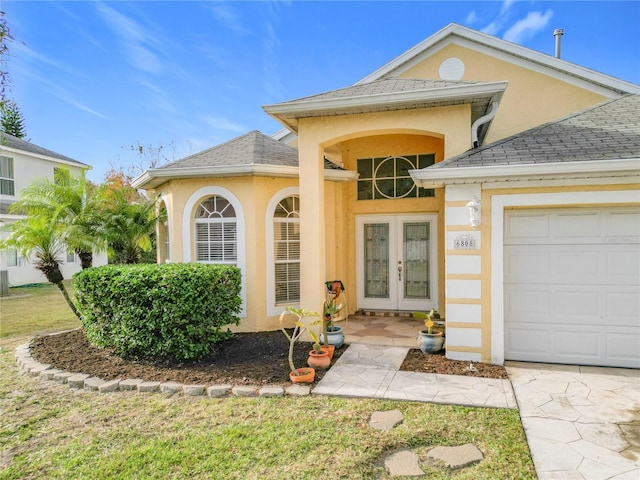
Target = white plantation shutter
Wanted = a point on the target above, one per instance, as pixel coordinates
(216, 232)
(286, 234)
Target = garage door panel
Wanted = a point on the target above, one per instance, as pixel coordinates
(623, 347)
(528, 340)
(577, 264)
(576, 225)
(623, 307)
(572, 286)
(623, 224)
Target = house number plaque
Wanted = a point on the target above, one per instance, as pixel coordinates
(464, 242)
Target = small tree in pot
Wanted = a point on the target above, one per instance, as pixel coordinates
(298, 375)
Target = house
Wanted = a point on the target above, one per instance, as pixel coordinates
(495, 184)
(21, 164)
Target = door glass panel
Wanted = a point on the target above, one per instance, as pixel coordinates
(416, 260)
(376, 260)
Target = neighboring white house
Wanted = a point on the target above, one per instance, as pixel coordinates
(21, 164)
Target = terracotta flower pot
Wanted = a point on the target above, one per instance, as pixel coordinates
(329, 349)
(302, 375)
(319, 360)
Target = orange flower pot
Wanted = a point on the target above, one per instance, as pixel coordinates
(329, 349)
(319, 360)
(302, 375)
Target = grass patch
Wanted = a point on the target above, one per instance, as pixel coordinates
(50, 431)
(35, 310)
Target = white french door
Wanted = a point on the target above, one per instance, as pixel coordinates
(397, 262)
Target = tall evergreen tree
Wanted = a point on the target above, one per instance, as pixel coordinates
(11, 119)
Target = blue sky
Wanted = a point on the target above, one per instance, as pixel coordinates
(94, 78)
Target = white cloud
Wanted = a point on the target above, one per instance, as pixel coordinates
(137, 40)
(506, 5)
(228, 18)
(472, 18)
(524, 29)
(219, 123)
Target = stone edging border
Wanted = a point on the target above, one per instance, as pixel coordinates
(29, 366)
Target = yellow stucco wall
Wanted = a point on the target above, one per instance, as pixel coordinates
(443, 131)
(530, 99)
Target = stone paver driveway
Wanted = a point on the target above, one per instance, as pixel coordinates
(582, 423)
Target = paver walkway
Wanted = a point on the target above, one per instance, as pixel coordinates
(373, 371)
(582, 423)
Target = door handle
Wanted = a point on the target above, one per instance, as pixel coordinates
(399, 271)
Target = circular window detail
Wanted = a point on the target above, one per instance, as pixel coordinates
(451, 69)
(392, 179)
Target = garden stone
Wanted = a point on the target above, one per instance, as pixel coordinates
(28, 365)
(35, 371)
(148, 386)
(77, 380)
(49, 373)
(193, 390)
(130, 384)
(456, 457)
(386, 420)
(298, 390)
(217, 391)
(271, 391)
(170, 387)
(244, 391)
(62, 377)
(403, 463)
(110, 386)
(93, 383)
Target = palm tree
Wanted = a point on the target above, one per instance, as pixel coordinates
(38, 236)
(130, 228)
(72, 204)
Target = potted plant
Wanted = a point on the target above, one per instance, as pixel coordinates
(305, 374)
(331, 335)
(429, 341)
(318, 357)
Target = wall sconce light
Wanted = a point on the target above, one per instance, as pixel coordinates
(474, 207)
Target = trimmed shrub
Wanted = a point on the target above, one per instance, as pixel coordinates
(172, 311)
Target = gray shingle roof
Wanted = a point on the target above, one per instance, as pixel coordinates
(381, 87)
(253, 148)
(10, 141)
(610, 130)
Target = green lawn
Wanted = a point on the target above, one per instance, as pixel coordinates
(50, 431)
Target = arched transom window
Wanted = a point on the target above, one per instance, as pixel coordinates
(286, 237)
(216, 231)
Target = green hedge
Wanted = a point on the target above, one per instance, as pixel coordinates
(175, 311)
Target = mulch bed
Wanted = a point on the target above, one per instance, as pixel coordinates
(246, 359)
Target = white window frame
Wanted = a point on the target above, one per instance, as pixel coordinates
(189, 232)
(166, 226)
(272, 308)
(12, 167)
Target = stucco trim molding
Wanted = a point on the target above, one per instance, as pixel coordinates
(498, 205)
(439, 177)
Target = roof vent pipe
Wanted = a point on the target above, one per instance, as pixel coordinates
(481, 121)
(558, 32)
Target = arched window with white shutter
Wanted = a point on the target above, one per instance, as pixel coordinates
(283, 250)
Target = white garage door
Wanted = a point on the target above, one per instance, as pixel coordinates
(572, 286)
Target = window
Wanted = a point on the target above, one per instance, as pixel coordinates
(286, 244)
(6, 176)
(11, 257)
(164, 241)
(388, 177)
(216, 231)
(71, 256)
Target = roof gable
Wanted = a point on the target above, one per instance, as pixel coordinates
(604, 139)
(16, 144)
(507, 51)
(253, 148)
